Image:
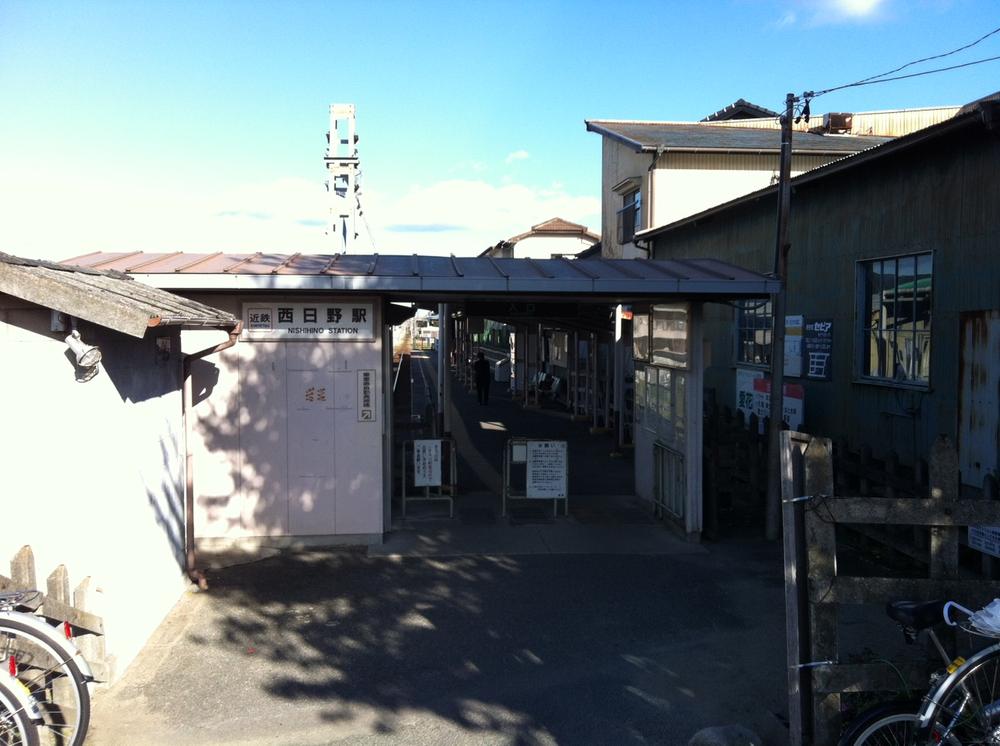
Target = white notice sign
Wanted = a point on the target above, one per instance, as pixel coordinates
(986, 539)
(366, 396)
(546, 469)
(427, 463)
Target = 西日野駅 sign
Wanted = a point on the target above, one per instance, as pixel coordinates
(330, 320)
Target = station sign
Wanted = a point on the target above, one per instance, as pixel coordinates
(328, 320)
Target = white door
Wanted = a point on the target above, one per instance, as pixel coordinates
(311, 464)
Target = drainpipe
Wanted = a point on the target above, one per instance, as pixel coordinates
(193, 572)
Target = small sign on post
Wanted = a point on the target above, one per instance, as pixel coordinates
(546, 469)
(426, 463)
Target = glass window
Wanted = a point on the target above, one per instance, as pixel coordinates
(630, 216)
(670, 330)
(753, 325)
(640, 336)
(665, 426)
(895, 318)
(652, 413)
(640, 396)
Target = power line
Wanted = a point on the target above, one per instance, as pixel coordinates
(881, 77)
(871, 81)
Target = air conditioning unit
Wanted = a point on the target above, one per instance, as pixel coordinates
(837, 124)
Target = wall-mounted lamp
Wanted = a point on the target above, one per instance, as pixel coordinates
(87, 356)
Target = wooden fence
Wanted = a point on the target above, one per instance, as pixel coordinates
(59, 606)
(814, 590)
(735, 456)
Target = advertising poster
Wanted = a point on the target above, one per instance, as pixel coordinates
(793, 345)
(817, 350)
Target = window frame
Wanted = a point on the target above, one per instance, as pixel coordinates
(862, 330)
(740, 310)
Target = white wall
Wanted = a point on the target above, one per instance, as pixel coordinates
(245, 443)
(687, 183)
(544, 247)
(91, 473)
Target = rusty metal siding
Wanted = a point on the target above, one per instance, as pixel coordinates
(979, 400)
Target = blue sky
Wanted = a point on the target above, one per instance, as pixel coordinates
(200, 126)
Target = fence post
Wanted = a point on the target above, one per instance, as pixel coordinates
(943, 475)
(57, 585)
(811, 628)
(821, 540)
(22, 568)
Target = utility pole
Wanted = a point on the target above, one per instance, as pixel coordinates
(773, 515)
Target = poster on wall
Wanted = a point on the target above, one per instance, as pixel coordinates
(753, 396)
(793, 345)
(330, 321)
(817, 350)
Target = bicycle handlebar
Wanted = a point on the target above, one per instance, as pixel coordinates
(948, 606)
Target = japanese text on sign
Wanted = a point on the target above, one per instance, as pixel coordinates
(546, 469)
(366, 396)
(986, 539)
(427, 463)
(330, 321)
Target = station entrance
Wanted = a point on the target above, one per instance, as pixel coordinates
(295, 435)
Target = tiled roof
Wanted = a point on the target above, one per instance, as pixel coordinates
(557, 227)
(110, 299)
(740, 109)
(695, 137)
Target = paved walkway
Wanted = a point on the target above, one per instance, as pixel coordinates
(597, 628)
(498, 648)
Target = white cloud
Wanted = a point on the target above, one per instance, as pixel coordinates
(517, 155)
(466, 216)
(53, 215)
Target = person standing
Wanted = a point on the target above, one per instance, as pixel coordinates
(481, 368)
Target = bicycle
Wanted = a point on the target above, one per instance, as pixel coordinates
(19, 715)
(50, 668)
(962, 706)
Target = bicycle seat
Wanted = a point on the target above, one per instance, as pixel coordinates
(916, 614)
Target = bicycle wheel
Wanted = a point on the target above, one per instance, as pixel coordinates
(890, 724)
(16, 728)
(967, 704)
(54, 680)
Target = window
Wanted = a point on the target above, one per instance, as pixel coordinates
(753, 329)
(895, 318)
(669, 332)
(630, 216)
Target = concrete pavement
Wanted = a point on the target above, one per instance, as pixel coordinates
(417, 646)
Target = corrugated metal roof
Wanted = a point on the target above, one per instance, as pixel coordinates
(693, 137)
(418, 276)
(107, 298)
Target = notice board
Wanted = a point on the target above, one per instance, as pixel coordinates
(547, 469)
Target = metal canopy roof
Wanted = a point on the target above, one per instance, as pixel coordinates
(416, 277)
(109, 299)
